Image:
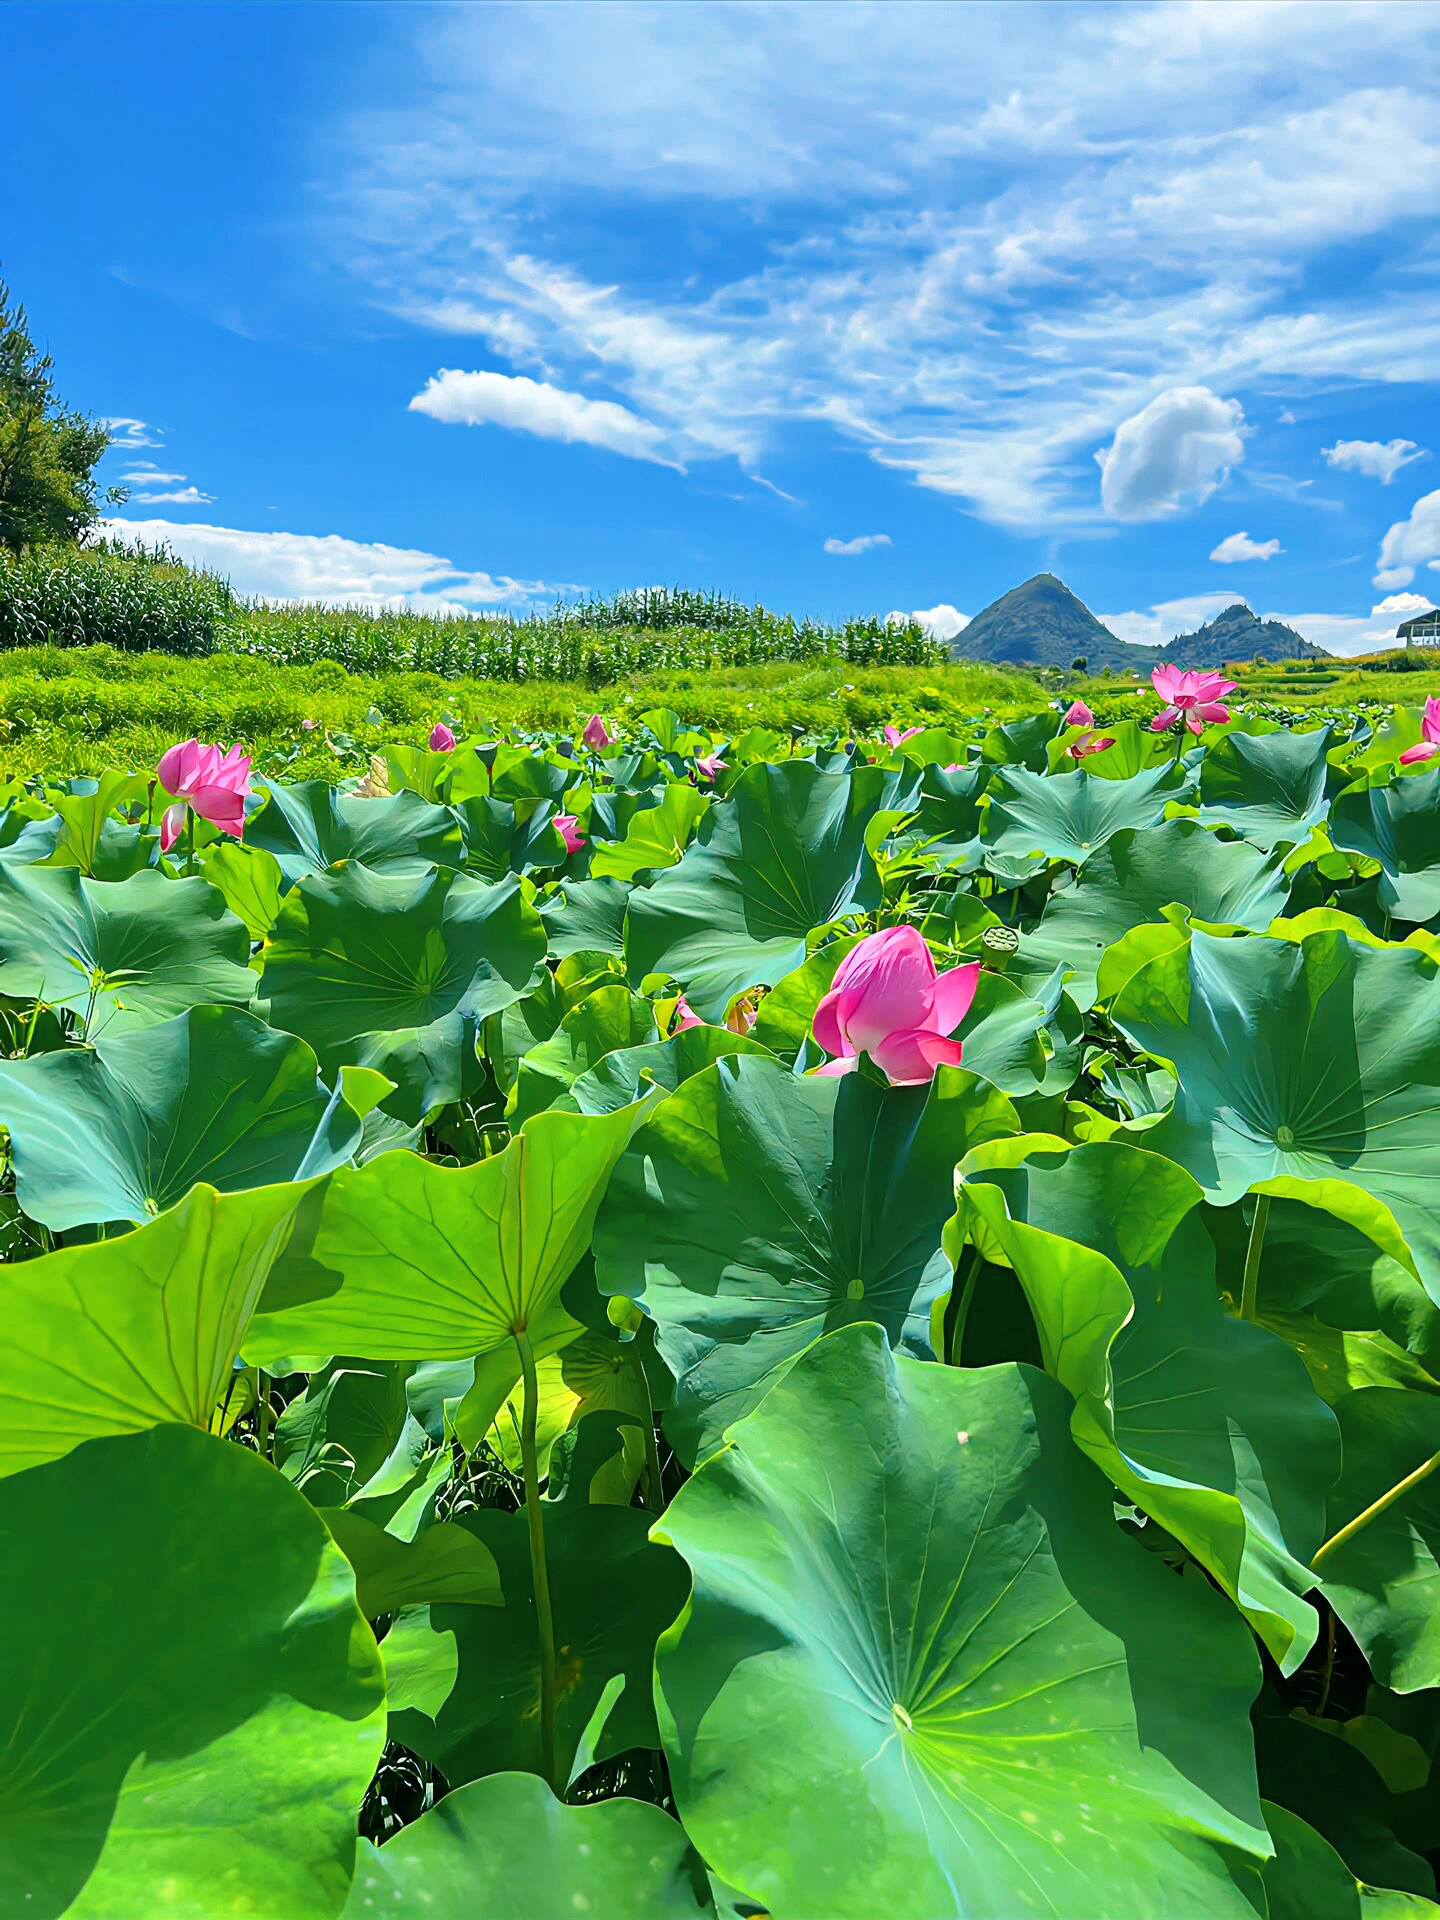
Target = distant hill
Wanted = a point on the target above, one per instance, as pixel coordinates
(1239, 634)
(1042, 623)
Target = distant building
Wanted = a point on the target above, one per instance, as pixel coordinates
(1422, 631)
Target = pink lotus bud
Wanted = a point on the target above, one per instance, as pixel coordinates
(441, 738)
(888, 1001)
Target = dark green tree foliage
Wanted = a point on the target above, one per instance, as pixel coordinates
(48, 451)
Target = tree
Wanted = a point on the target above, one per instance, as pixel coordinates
(48, 451)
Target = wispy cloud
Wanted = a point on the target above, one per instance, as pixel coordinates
(975, 272)
(1380, 459)
(862, 543)
(328, 567)
(126, 433)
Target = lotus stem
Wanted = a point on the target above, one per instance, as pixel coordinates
(539, 1573)
(1376, 1508)
(962, 1310)
(1250, 1286)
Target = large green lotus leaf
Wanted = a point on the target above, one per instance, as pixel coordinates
(312, 826)
(125, 952)
(624, 1076)
(443, 1563)
(387, 971)
(1398, 825)
(1134, 877)
(477, 1669)
(1303, 1066)
(1135, 749)
(1206, 1422)
(1307, 1879)
(405, 1260)
(507, 1845)
(501, 836)
(1270, 788)
(1000, 1035)
(784, 855)
(923, 1672)
(341, 1430)
(946, 823)
(1024, 742)
(1384, 1581)
(1068, 816)
(586, 916)
(134, 1332)
(604, 1022)
(90, 836)
(249, 881)
(759, 1208)
(1314, 1771)
(656, 837)
(192, 1705)
(123, 1130)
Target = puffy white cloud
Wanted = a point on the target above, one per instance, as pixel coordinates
(1239, 546)
(860, 544)
(129, 433)
(534, 406)
(1178, 449)
(941, 623)
(1410, 543)
(1380, 459)
(310, 566)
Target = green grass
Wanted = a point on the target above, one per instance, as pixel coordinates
(81, 709)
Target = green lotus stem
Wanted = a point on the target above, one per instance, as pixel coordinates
(1376, 1508)
(262, 1412)
(1250, 1286)
(962, 1310)
(656, 1502)
(539, 1573)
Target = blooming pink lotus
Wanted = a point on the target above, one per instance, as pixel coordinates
(213, 783)
(1089, 743)
(684, 1017)
(594, 734)
(565, 825)
(895, 738)
(441, 738)
(1429, 741)
(308, 725)
(1194, 698)
(888, 1001)
(1077, 714)
(707, 765)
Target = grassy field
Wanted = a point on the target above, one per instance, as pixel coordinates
(107, 657)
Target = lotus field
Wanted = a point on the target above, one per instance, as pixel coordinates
(666, 1325)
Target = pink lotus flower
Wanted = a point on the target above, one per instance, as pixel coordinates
(441, 738)
(1089, 743)
(594, 735)
(684, 1017)
(888, 1001)
(1429, 741)
(565, 824)
(707, 765)
(1193, 697)
(307, 726)
(1077, 714)
(895, 738)
(214, 784)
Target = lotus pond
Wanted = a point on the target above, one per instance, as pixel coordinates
(679, 1325)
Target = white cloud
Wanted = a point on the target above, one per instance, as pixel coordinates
(941, 623)
(534, 406)
(143, 474)
(975, 268)
(1410, 543)
(1239, 546)
(179, 496)
(328, 567)
(1287, 418)
(129, 433)
(1175, 451)
(1380, 459)
(860, 544)
(1161, 623)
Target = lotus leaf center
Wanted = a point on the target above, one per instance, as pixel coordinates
(1284, 1136)
(902, 1718)
(855, 1290)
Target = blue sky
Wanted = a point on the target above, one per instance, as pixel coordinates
(845, 309)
